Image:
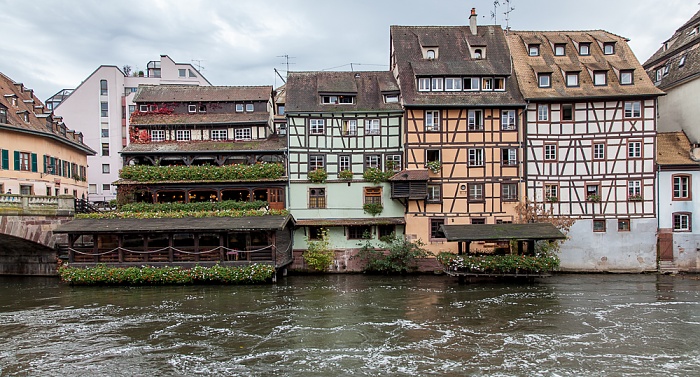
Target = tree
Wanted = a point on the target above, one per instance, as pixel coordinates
(529, 211)
(319, 255)
(398, 255)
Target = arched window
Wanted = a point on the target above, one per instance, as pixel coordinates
(430, 54)
(477, 53)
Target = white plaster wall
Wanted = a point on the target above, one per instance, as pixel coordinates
(679, 110)
(611, 251)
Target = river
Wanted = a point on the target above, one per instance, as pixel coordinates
(355, 325)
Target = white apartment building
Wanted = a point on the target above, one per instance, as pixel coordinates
(100, 108)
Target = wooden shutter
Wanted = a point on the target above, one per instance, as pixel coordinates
(34, 163)
(5, 159)
(16, 160)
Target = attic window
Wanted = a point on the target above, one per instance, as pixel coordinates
(533, 50)
(682, 61)
(334, 100)
(609, 48)
(559, 49)
(25, 117)
(192, 108)
(430, 54)
(626, 77)
(584, 49)
(391, 98)
(478, 54)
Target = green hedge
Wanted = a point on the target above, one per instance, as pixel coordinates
(181, 214)
(239, 172)
(102, 275)
(498, 263)
(199, 206)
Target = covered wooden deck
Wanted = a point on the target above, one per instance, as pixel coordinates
(182, 242)
(523, 234)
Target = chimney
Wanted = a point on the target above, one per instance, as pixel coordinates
(472, 21)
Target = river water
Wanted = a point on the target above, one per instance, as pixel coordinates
(355, 325)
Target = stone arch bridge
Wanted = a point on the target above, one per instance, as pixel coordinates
(27, 242)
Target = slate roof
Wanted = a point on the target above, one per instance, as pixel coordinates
(190, 93)
(410, 175)
(527, 67)
(488, 232)
(673, 148)
(270, 144)
(205, 224)
(304, 91)
(453, 60)
(152, 119)
(683, 43)
(41, 121)
(343, 222)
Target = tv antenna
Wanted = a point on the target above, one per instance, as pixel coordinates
(495, 12)
(286, 60)
(198, 64)
(507, 13)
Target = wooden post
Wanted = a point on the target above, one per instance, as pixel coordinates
(520, 247)
(171, 255)
(468, 247)
(120, 243)
(95, 248)
(196, 246)
(71, 243)
(460, 251)
(531, 247)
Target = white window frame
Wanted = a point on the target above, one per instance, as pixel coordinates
(543, 112)
(499, 84)
(432, 120)
(626, 77)
(681, 187)
(424, 84)
(584, 49)
(681, 222)
(239, 107)
(373, 161)
(344, 162)
(349, 127)
(600, 78)
(476, 192)
(475, 120)
(507, 194)
(634, 188)
(550, 152)
(559, 49)
(633, 109)
(372, 127)
(157, 135)
(453, 84)
(395, 159)
(608, 48)
(434, 193)
(472, 81)
(476, 157)
(183, 135)
(143, 108)
(181, 72)
(249, 108)
(511, 158)
(242, 134)
(508, 120)
(191, 108)
(317, 127)
(436, 84)
(317, 161)
(487, 84)
(599, 151)
(572, 79)
(634, 149)
(544, 80)
(219, 134)
(533, 50)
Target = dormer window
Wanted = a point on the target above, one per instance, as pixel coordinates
(472, 83)
(453, 84)
(192, 108)
(3, 115)
(478, 54)
(682, 61)
(437, 84)
(609, 48)
(533, 50)
(559, 49)
(544, 80)
(626, 77)
(600, 78)
(659, 74)
(14, 101)
(430, 54)
(391, 98)
(424, 84)
(25, 117)
(487, 83)
(572, 79)
(249, 107)
(584, 49)
(239, 107)
(143, 108)
(499, 83)
(333, 100)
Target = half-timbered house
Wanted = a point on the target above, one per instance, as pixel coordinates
(462, 128)
(590, 144)
(343, 124)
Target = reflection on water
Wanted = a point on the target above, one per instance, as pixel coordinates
(354, 325)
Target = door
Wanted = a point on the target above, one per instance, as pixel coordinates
(665, 247)
(275, 197)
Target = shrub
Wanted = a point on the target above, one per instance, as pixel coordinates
(376, 176)
(510, 263)
(318, 176)
(319, 255)
(373, 208)
(345, 174)
(398, 255)
(239, 172)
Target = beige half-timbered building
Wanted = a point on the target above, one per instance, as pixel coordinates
(590, 144)
(462, 128)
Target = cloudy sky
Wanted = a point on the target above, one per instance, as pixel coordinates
(50, 45)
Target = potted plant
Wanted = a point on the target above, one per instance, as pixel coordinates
(434, 166)
(345, 174)
(552, 199)
(635, 198)
(595, 198)
(373, 208)
(318, 176)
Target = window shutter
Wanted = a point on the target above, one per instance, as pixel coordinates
(45, 162)
(16, 160)
(5, 159)
(52, 163)
(34, 163)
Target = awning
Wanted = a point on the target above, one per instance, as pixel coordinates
(502, 232)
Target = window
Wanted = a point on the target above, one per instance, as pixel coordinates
(584, 49)
(182, 135)
(24, 159)
(315, 232)
(508, 120)
(543, 112)
(550, 152)
(476, 157)
(600, 78)
(435, 228)
(373, 161)
(191, 108)
(105, 132)
(544, 80)
(372, 195)
(349, 127)
(634, 149)
(28, 189)
(634, 190)
(478, 221)
(478, 54)
(567, 112)
(358, 232)
(239, 107)
(434, 194)
(105, 168)
(681, 222)
(533, 50)
(3, 115)
(472, 83)
(344, 163)
(681, 187)
(436, 84)
(599, 226)
(316, 127)
(393, 162)
(432, 120)
(476, 192)
(659, 74)
(475, 120)
(389, 98)
(92, 188)
(509, 156)
(593, 193)
(424, 84)
(371, 126)
(386, 230)
(598, 151)
(220, 134)
(430, 54)
(280, 109)
(317, 161)
(181, 73)
(143, 108)
(626, 77)
(623, 225)
(157, 135)
(572, 79)
(242, 134)
(104, 109)
(551, 192)
(509, 192)
(103, 87)
(191, 73)
(609, 48)
(317, 197)
(499, 83)
(487, 83)
(432, 155)
(681, 62)
(559, 49)
(453, 84)
(249, 107)
(633, 109)
(105, 149)
(105, 187)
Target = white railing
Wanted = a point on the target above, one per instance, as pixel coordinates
(28, 204)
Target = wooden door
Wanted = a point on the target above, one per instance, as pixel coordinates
(665, 247)
(275, 197)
